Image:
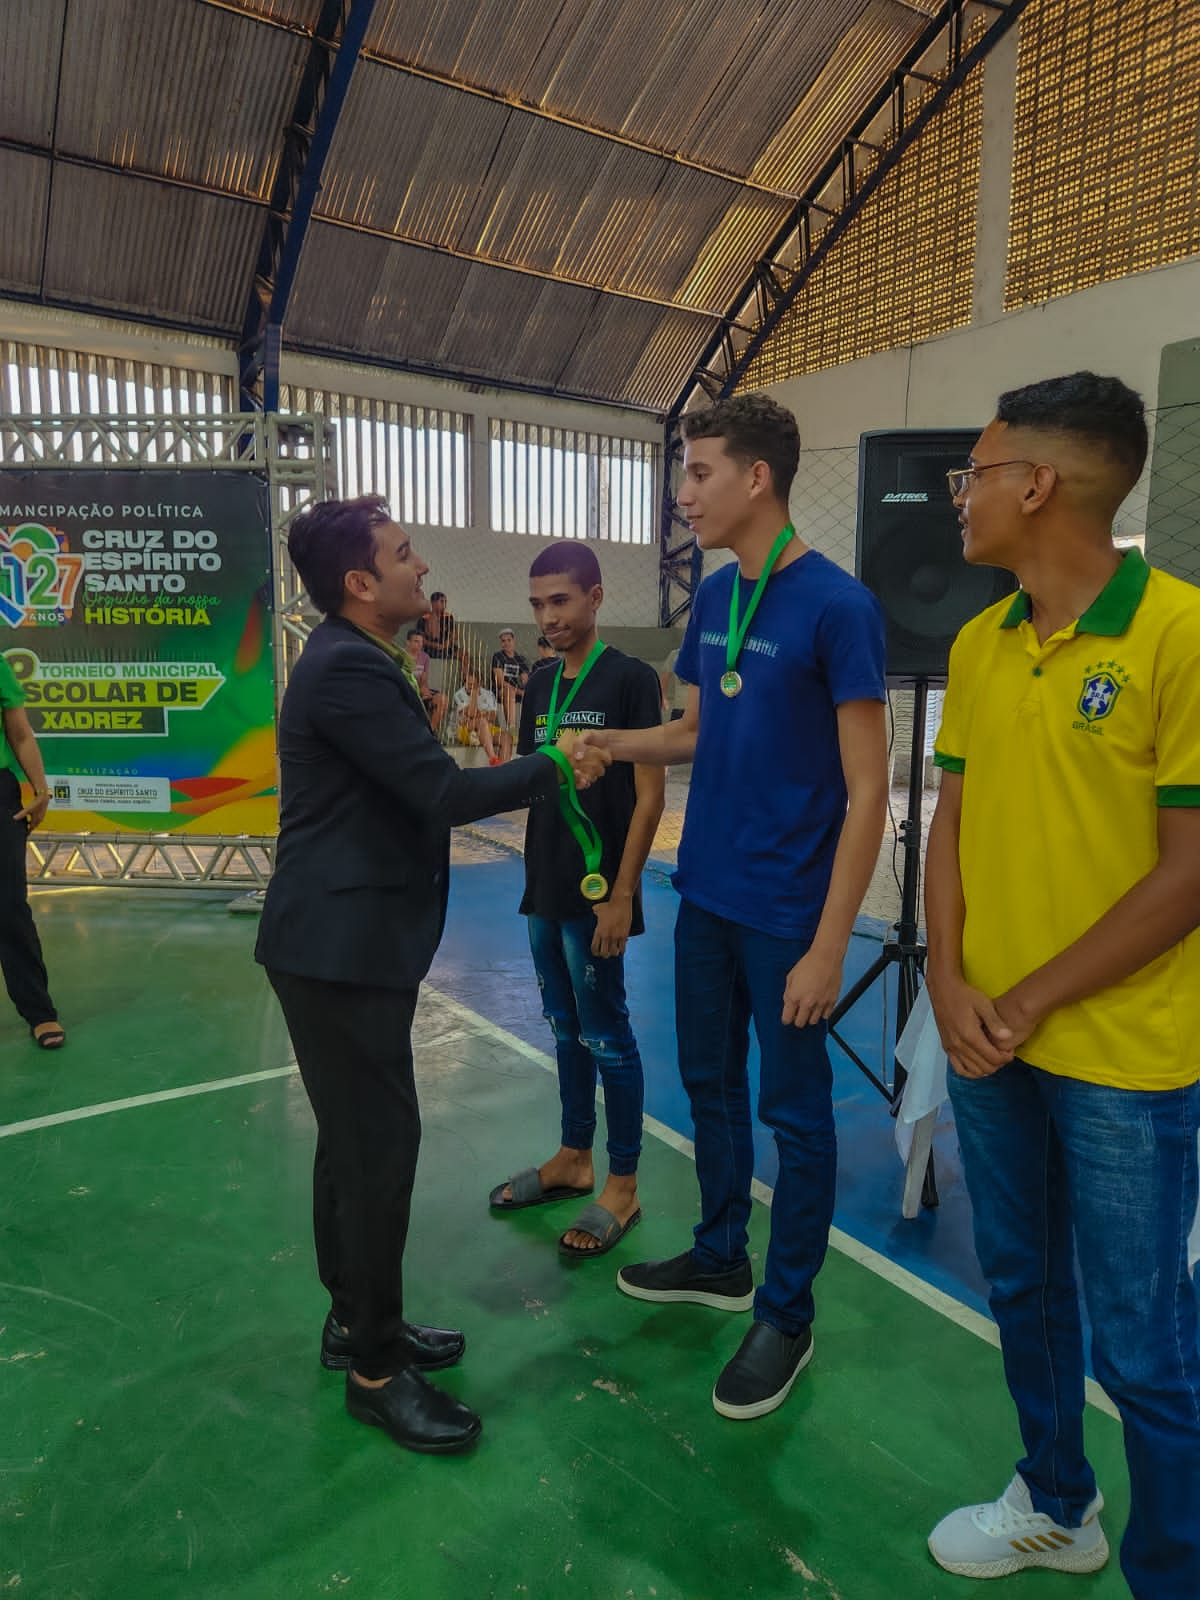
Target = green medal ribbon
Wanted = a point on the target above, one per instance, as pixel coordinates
(593, 885)
(731, 678)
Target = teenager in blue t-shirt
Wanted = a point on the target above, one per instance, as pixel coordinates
(785, 729)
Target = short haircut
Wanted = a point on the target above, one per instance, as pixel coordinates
(544, 644)
(754, 428)
(334, 538)
(416, 633)
(568, 558)
(1103, 411)
(436, 595)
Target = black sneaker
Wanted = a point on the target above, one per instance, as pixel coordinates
(681, 1279)
(761, 1375)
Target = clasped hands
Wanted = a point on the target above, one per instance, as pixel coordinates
(588, 760)
(979, 1035)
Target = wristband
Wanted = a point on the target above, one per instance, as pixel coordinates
(561, 760)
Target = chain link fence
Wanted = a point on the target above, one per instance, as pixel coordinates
(1171, 506)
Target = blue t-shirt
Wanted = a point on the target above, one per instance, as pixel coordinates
(767, 797)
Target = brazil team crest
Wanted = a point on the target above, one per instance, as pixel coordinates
(1101, 690)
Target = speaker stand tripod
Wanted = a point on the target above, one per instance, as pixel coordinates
(903, 947)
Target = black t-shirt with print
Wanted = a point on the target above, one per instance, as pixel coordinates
(619, 692)
(511, 666)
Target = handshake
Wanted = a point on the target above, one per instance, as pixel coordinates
(587, 756)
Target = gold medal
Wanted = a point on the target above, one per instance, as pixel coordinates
(593, 886)
(731, 684)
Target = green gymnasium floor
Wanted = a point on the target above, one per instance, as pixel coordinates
(168, 1432)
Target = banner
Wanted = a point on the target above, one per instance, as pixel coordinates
(134, 610)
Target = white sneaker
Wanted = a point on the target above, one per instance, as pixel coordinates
(1008, 1535)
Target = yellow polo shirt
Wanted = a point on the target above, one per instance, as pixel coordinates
(1067, 750)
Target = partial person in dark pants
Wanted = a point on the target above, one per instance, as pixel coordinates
(20, 948)
(352, 918)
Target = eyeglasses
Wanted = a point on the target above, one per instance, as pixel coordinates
(961, 477)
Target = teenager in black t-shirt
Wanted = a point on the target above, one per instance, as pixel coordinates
(510, 672)
(579, 945)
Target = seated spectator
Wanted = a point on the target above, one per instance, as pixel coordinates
(433, 700)
(547, 655)
(441, 643)
(477, 709)
(510, 674)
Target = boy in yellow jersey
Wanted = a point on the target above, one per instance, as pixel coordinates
(1062, 901)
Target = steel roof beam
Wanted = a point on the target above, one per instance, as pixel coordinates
(337, 42)
(947, 29)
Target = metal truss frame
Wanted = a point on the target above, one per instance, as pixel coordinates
(681, 563)
(337, 41)
(144, 860)
(294, 454)
(883, 133)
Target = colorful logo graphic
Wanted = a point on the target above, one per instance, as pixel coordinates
(1101, 687)
(39, 577)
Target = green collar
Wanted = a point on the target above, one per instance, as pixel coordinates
(1113, 609)
(396, 652)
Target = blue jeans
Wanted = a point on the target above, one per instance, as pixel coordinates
(583, 1000)
(726, 974)
(1046, 1158)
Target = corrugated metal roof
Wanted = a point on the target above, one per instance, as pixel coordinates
(676, 77)
(29, 46)
(147, 248)
(400, 303)
(409, 157)
(611, 347)
(487, 180)
(24, 181)
(556, 192)
(372, 298)
(185, 90)
(844, 87)
(291, 13)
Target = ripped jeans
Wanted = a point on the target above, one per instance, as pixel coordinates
(583, 1000)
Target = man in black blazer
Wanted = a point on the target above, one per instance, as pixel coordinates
(352, 918)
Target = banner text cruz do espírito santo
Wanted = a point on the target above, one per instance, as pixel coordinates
(134, 611)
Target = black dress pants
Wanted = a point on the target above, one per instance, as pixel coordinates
(354, 1049)
(20, 948)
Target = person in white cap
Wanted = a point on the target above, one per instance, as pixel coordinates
(510, 674)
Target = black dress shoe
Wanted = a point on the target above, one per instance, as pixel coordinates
(415, 1414)
(428, 1348)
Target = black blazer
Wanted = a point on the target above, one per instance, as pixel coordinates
(367, 800)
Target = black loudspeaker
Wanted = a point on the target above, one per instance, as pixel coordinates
(908, 547)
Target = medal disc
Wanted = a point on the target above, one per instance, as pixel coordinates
(593, 886)
(731, 684)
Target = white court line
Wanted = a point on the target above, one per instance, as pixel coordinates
(82, 1113)
(899, 1277)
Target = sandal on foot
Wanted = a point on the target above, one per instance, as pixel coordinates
(52, 1036)
(599, 1222)
(527, 1190)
